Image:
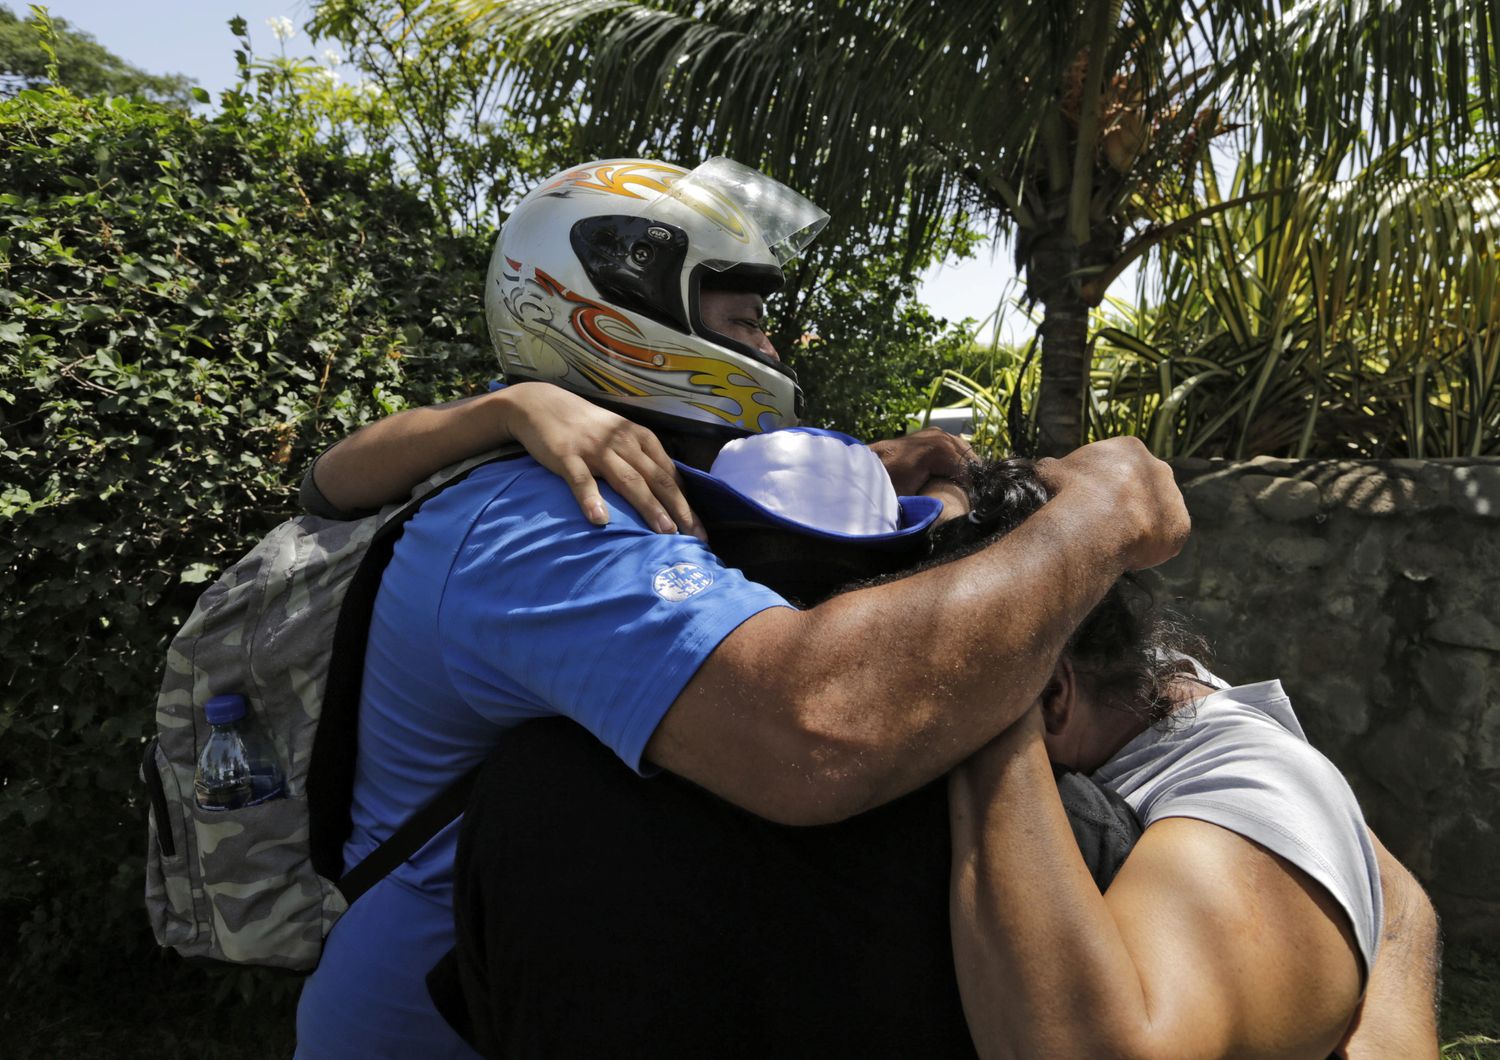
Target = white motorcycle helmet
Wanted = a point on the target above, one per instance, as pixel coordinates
(595, 283)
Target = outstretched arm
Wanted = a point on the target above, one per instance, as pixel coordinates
(1205, 945)
(568, 435)
(1398, 1016)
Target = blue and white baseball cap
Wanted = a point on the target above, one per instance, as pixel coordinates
(818, 483)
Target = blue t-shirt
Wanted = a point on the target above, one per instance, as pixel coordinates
(501, 603)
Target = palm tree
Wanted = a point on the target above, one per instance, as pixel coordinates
(1081, 127)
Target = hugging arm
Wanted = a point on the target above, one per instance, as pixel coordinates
(813, 716)
(571, 437)
(568, 435)
(807, 717)
(1185, 956)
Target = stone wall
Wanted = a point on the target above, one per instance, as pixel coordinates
(1372, 589)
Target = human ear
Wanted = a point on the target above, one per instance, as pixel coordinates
(1059, 698)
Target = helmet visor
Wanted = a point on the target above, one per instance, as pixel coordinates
(747, 205)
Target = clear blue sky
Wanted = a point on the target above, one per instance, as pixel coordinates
(192, 37)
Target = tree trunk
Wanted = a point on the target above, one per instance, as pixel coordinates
(1050, 263)
(1065, 372)
(1055, 266)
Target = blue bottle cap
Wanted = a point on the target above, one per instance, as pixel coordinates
(221, 710)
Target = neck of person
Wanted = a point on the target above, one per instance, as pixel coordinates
(1108, 730)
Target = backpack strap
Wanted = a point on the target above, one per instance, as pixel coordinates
(330, 774)
(411, 837)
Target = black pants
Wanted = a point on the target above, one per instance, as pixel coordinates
(600, 914)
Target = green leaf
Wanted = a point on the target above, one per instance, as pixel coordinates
(197, 573)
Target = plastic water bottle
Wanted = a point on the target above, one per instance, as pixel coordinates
(237, 766)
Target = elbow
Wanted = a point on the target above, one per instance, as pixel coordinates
(1410, 916)
(1429, 925)
(807, 795)
(1428, 929)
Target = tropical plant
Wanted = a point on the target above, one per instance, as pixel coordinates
(429, 95)
(1080, 128)
(863, 345)
(1336, 318)
(424, 103)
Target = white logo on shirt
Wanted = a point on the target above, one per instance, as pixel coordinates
(676, 583)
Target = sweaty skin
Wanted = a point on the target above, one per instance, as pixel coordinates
(873, 693)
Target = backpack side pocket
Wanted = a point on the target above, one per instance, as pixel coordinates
(268, 905)
(170, 894)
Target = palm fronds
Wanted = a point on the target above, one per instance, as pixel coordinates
(1342, 318)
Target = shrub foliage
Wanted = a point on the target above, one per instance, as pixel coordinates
(190, 308)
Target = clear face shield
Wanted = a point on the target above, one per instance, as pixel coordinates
(750, 214)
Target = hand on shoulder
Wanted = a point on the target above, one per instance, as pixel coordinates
(581, 442)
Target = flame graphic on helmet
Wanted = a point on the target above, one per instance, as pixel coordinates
(620, 179)
(624, 178)
(615, 335)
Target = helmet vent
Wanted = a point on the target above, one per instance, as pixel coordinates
(635, 263)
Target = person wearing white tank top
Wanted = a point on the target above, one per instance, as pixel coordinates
(1246, 919)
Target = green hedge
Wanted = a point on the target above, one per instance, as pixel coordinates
(188, 309)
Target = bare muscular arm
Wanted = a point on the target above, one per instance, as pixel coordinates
(1185, 956)
(811, 716)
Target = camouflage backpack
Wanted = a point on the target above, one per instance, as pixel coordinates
(285, 627)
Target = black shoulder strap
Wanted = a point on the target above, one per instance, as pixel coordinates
(409, 838)
(330, 772)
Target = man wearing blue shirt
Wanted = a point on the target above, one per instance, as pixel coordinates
(641, 286)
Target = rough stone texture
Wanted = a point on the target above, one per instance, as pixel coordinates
(1282, 499)
(1368, 490)
(1476, 490)
(1372, 589)
(1468, 629)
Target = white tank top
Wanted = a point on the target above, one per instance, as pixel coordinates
(1238, 758)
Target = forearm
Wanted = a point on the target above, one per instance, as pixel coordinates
(813, 716)
(383, 461)
(988, 630)
(1205, 945)
(1042, 966)
(1398, 1015)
